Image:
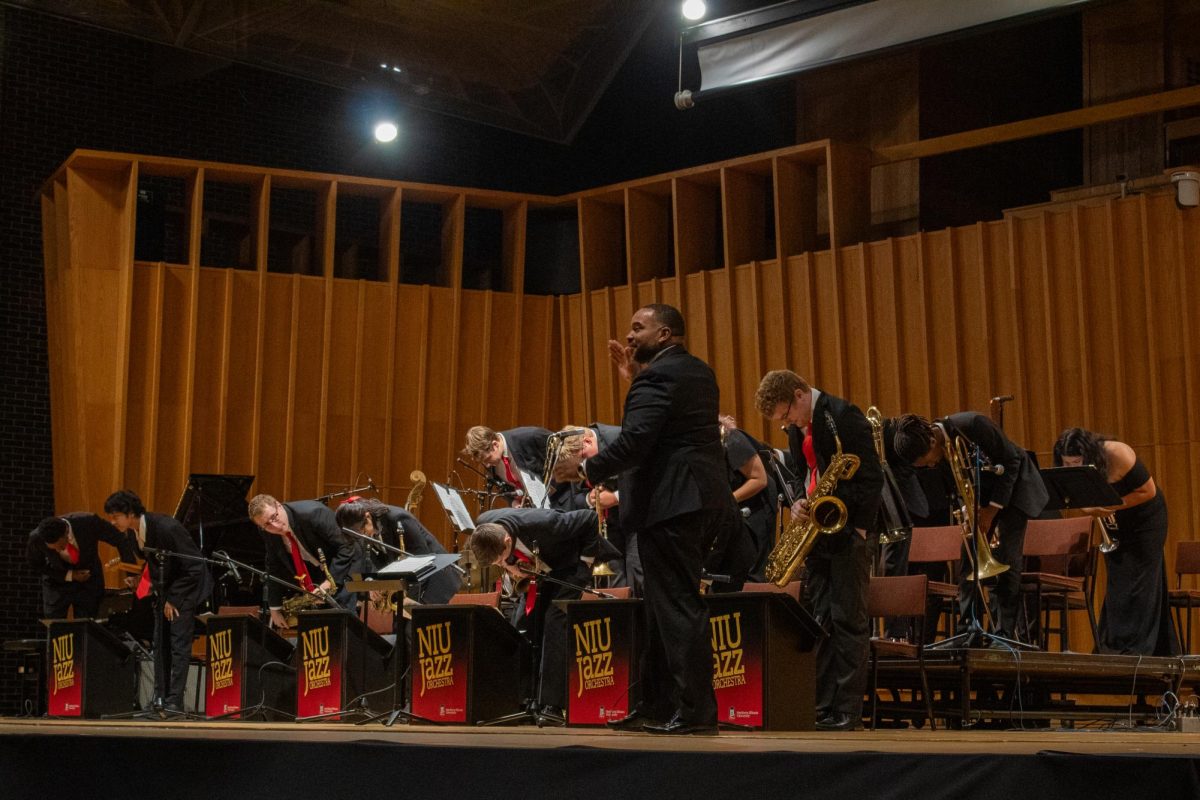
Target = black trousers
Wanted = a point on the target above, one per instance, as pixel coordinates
(171, 665)
(838, 577)
(83, 597)
(552, 689)
(1005, 603)
(676, 668)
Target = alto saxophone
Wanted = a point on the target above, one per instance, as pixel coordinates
(826, 514)
(307, 600)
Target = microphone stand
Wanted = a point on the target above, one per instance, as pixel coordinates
(370, 487)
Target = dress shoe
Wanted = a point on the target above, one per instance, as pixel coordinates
(838, 721)
(633, 721)
(678, 726)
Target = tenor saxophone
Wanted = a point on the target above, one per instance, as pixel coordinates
(306, 600)
(826, 514)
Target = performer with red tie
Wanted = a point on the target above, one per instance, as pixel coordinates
(180, 580)
(63, 551)
(515, 457)
(299, 533)
(839, 567)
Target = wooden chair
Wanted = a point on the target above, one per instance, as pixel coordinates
(899, 596)
(618, 593)
(490, 599)
(941, 544)
(1061, 579)
(1181, 600)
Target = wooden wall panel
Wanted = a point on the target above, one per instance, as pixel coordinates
(208, 395)
(408, 369)
(274, 371)
(857, 340)
(370, 444)
(343, 386)
(169, 440)
(243, 367)
(884, 344)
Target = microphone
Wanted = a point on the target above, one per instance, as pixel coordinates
(995, 469)
(371, 484)
(568, 432)
(232, 567)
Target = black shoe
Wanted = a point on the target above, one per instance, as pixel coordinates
(838, 721)
(633, 721)
(678, 726)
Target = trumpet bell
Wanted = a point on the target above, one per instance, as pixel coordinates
(602, 570)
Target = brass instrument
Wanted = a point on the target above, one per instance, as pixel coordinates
(307, 600)
(601, 569)
(896, 531)
(1108, 543)
(826, 514)
(986, 566)
(386, 601)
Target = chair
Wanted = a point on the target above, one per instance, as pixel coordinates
(617, 592)
(941, 544)
(490, 599)
(792, 589)
(1061, 547)
(899, 596)
(1181, 600)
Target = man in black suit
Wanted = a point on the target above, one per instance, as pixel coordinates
(179, 578)
(673, 493)
(63, 551)
(514, 457)
(839, 567)
(396, 527)
(1011, 491)
(567, 542)
(300, 533)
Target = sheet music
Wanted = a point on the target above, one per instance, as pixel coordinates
(404, 566)
(452, 502)
(535, 488)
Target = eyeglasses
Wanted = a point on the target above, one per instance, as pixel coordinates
(272, 520)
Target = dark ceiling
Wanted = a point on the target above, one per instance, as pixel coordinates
(535, 67)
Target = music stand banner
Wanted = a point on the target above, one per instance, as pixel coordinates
(441, 671)
(64, 684)
(601, 634)
(319, 684)
(737, 650)
(226, 650)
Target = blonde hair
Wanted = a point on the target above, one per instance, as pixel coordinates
(479, 441)
(259, 504)
(571, 445)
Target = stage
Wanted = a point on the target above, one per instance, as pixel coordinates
(337, 760)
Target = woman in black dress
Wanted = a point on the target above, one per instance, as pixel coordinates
(1136, 618)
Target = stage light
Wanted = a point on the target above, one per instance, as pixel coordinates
(386, 131)
(694, 9)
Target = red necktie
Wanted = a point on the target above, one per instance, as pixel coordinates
(810, 456)
(72, 553)
(531, 592)
(301, 569)
(509, 475)
(143, 587)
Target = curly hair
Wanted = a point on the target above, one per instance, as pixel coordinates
(1084, 443)
(479, 440)
(777, 386)
(913, 437)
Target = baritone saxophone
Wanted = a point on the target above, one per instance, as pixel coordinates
(826, 514)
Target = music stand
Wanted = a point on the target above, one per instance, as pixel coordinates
(1078, 487)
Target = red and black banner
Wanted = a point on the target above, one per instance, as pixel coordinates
(440, 670)
(225, 653)
(600, 662)
(64, 680)
(737, 649)
(319, 682)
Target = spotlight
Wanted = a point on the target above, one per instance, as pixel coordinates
(386, 132)
(1187, 188)
(694, 9)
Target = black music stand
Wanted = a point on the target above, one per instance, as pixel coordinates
(1078, 487)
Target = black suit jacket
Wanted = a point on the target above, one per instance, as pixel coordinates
(561, 538)
(184, 582)
(526, 447)
(1021, 484)
(402, 529)
(88, 530)
(668, 454)
(861, 492)
(316, 528)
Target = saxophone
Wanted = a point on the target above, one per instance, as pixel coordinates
(826, 514)
(308, 600)
(981, 552)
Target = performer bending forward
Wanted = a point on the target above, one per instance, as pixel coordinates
(673, 490)
(839, 568)
(1135, 619)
